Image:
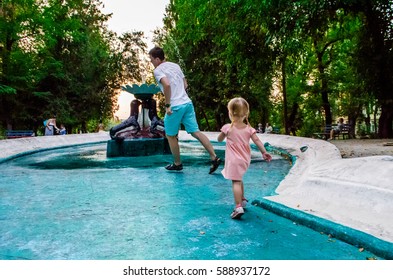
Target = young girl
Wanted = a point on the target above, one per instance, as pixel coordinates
(238, 151)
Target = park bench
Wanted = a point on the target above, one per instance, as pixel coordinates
(325, 134)
(11, 134)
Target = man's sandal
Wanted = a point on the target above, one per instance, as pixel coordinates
(214, 164)
(175, 167)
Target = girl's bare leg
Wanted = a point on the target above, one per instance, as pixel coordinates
(238, 191)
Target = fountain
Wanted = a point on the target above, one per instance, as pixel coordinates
(142, 134)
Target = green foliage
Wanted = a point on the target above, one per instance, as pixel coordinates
(221, 57)
(59, 58)
(307, 49)
(7, 90)
(300, 64)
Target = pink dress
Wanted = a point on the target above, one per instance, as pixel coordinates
(237, 152)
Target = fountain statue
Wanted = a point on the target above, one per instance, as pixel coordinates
(143, 132)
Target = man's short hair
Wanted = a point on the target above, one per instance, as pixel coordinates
(157, 52)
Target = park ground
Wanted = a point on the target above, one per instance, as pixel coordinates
(352, 148)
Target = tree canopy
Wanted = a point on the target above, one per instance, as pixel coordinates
(300, 64)
(59, 58)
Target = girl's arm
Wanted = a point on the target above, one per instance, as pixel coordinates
(260, 146)
(221, 137)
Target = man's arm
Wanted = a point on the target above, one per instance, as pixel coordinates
(167, 93)
(167, 89)
(185, 84)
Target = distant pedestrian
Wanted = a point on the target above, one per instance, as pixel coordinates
(50, 127)
(238, 151)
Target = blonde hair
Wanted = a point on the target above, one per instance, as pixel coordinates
(238, 107)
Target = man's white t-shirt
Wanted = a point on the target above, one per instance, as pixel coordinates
(175, 76)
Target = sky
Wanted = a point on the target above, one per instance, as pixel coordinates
(134, 15)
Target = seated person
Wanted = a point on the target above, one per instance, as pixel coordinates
(260, 128)
(268, 128)
(63, 130)
(100, 127)
(336, 130)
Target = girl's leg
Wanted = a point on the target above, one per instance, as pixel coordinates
(238, 191)
(244, 200)
(237, 187)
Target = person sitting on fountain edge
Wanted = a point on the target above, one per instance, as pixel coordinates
(179, 108)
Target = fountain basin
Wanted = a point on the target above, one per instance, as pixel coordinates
(135, 147)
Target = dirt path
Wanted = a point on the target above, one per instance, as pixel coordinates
(364, 147)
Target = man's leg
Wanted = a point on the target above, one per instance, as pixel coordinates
(172, 124)
(191, 125)
(175, 149)
(202, 138)
(215, 160)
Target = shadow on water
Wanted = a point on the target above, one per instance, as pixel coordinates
(94, 156)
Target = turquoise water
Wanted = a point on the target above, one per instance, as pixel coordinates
(75, 203)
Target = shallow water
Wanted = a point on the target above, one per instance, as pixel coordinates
(76, 204)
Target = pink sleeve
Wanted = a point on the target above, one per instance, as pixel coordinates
(252, 130)
(225, 128)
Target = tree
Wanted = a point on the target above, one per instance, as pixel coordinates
(58, 57)
(18, 71)
(220, 47)
(375, 55)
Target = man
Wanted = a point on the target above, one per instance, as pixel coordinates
(179, 108)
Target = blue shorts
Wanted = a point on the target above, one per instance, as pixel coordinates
(181, 114)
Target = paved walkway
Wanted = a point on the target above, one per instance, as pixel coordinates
(14, 147)
(353, 192)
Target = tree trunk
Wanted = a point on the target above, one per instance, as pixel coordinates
(284, 93)
(292, 124)
(324, 90)
(375, 119)
(386, 121)
(206, 119)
